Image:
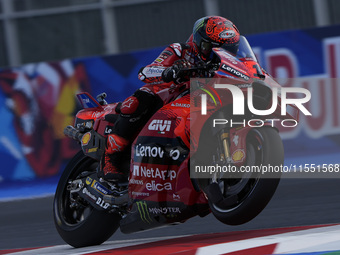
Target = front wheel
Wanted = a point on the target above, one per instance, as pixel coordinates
(249, 195)
(76, 221)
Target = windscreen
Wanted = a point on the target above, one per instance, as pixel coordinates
(243, 50)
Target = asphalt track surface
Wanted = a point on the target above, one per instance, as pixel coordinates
(297, 202)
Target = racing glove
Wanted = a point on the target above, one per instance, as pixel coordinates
(177, 71)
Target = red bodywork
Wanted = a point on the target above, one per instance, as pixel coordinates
(160, 154)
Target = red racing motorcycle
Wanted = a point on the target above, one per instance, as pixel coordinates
(170, 179)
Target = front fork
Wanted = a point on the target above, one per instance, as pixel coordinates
(224, 150)
(225, 142)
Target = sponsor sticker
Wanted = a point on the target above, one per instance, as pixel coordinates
(89, 194)
(227, 34)
(149, 151)
(136, 182)
(155, 152)
(164, 210)
(92, 150)
(100, 188)
(153, 71)
(140, 194)
(235, 140)
(181, 105)
(85, 100)
(163, 56)
(108, 130)
(88, 180)
(234, 72)
(238, 155)
(86, 138)
(160, 125)
(102, 204)
(176, 197)
(154, 186)
(155, 173)
(143, 211)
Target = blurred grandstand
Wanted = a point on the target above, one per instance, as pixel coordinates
(44, 30)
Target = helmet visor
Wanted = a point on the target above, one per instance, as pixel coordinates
(206, 48)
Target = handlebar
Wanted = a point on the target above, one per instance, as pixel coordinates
(201, 67)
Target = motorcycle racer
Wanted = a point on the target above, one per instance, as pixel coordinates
(162, 73)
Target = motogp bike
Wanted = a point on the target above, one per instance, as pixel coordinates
(194, 133)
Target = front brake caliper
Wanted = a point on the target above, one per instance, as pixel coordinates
(75, 186)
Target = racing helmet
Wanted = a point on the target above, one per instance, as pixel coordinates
(215, 31)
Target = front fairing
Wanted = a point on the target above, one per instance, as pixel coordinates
(243, 66)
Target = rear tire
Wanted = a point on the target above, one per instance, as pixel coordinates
(82, 225)
(253, 193)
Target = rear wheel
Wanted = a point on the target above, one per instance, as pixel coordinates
(242, 199)
(76, 221)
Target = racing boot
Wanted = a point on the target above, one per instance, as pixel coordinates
(110, 169)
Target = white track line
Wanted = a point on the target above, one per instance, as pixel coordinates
(68, 250)
(317, 239)
(301, 240)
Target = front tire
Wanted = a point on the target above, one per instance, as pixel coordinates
(253, 192)
(80, 224)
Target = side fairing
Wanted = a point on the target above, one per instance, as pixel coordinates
(159, 166)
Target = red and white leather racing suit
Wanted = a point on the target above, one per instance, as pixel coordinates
(137, 109)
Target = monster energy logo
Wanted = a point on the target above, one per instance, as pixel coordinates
(199, 23)
(143, 211)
